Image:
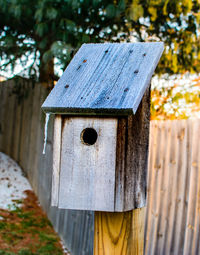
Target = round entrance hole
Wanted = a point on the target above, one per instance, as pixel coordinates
(89, 136)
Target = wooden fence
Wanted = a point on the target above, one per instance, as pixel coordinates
(173, 210)
(21, 137)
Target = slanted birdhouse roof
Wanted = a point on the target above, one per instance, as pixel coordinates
(103, 79)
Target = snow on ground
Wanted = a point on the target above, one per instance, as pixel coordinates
(12, 182)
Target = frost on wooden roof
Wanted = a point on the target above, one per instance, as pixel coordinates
(108, 78)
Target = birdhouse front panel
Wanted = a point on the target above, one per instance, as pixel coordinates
(87, 163)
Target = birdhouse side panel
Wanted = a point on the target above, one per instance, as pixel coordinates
(87, 177)
(132, 158)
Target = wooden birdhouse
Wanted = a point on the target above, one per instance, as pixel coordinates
(101, 106)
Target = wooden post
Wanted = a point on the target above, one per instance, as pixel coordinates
(119, 233)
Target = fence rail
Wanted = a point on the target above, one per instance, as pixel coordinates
(173, 209)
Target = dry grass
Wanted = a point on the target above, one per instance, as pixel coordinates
(25, 230)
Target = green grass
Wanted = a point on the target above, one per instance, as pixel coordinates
(27, 231)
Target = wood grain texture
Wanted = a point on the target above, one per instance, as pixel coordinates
(193, 214)
(4, 96)
(119, 233)
(56, 160)
(34, 139)
(7, 114)
(132, 158)
(106, 176)
(11, 124)
(173, 218)
(104, 79)
(87, 175)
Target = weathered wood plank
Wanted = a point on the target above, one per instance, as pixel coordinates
(46, 180)
(34, 133)
(105, 79)
(10, 120)
(87, 177)
(150, 197)
(192, 212)
(156, 185)
(4, 102)
(17, 129)
(196, 178)
(56, 160)
(28, 115)
(25, 125)
(180, 186)
(32, 169)
(7, 118)
(173, 164)
(187, 159)
(119, 233)
(41, 175)
(132, 158)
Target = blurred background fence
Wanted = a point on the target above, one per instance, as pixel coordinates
(173, 209)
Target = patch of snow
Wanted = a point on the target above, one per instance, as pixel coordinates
(12, 182)
(65, 250)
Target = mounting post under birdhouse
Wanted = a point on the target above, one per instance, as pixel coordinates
(102, 111)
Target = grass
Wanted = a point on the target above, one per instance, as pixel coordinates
(26, 230)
